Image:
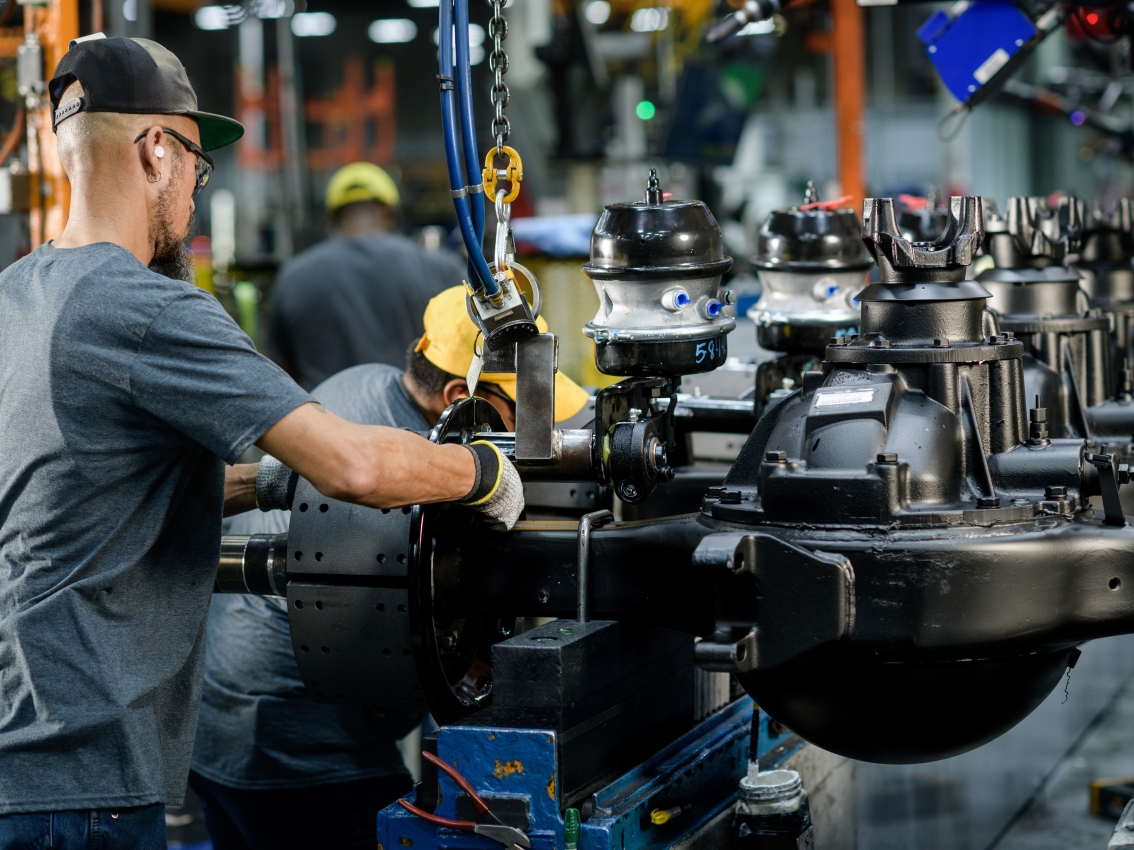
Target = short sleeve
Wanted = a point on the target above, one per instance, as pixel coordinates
(199, 373)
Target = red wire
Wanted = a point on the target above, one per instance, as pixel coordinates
(453, 774)
(913, 202)
(827, 206)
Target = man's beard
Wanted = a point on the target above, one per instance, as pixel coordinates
(171, 255)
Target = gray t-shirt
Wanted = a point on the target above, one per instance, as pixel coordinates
(257, 728)
(354, 300)
(121, 391)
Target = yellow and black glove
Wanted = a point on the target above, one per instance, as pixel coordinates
(498, 492)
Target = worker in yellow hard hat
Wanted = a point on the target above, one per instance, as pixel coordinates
(361, 182)
(357, 297)
(437, 366)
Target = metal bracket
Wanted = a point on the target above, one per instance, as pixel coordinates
(1111, 476)
(628, 418)
(536, 363)
(722, 654)
(804, 599)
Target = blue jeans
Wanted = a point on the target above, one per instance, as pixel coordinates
(141, 828)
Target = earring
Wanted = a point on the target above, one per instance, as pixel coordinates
(155, 177)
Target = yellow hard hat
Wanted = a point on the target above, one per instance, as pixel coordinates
(448, 344)
(361, 181)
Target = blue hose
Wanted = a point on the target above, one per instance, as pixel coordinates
(481, 277)
(468, 119)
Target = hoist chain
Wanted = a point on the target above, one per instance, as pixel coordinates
(498, 63)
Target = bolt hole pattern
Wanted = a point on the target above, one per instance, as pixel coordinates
(402, 607)
(401, 559)
(406, 510)
(385, 510)
(386, 652)
(299, 556)
(298, 603)
(319, 604)
(325, 649)
(1115, 583)
(302, 507)
(381, 559)
(381, 606)
(318, 556)
(304, 648)
(324, 508)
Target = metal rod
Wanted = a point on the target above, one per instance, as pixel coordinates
(253, 564)
(571, 456)
(587, 524)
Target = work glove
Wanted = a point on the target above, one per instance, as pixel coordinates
(275, 485)
(498, 493)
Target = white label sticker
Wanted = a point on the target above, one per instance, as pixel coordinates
(830, 398)
(991, 65)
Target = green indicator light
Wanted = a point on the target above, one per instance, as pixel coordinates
(645, 110)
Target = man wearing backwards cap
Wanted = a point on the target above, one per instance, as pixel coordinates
(358, 296)
(273, 768)
(125, 392)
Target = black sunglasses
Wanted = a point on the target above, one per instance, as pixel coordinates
(489, 390)
(204, 161)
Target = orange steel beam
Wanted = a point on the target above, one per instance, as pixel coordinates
(848, 52)
(10, 39)
(55, 25)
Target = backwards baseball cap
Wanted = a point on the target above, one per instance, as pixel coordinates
(448, 344)
(361, 181)
(133, 76)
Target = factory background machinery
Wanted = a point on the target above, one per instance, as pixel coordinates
(779, 524)
(941, 541)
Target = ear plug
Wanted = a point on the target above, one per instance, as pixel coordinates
(159, 151)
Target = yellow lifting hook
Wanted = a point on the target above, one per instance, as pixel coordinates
(514, 173)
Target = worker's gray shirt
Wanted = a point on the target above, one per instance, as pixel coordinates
(258, 729)
(120, 393)
(354, 300)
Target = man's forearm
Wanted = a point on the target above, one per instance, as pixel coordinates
(239, 488)
(371, 465)
(409, 469)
